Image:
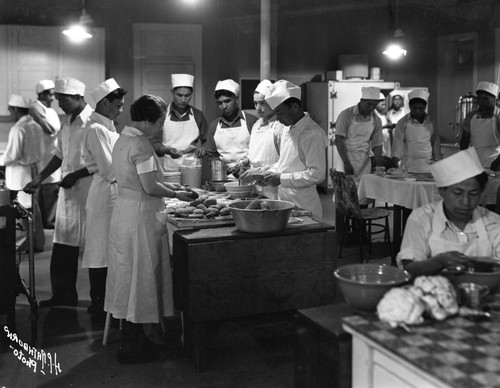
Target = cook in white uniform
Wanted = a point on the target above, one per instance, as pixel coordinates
(386, 127)
(69, 232)
(185, 130)
(359, 130)
(139, 282)
(229, 135)
(416, 139)
(262, 150)
(98, 145)
(48, 119)
(21, 159)
(455, 230)
(481, 127)
(397, 110)
(302, 162)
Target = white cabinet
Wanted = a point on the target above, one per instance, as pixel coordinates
(32, 53)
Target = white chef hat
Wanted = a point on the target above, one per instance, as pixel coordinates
(371, 93)
(229, 85)
(488, 87)
(43, 85)
(103, 89)
(182, 80)
(281, 91)
(395, 92)
(456, 168)
(68, 85)
(264, 88)
(418, 93)
(18, 101)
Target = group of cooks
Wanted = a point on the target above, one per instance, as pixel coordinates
(109, 186)
(106, 187)
(455, 230)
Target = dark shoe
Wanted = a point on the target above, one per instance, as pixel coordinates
(52, 302)
(139, 357)
(98, 317)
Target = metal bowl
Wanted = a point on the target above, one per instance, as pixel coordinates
(363, 285)
(261, 221)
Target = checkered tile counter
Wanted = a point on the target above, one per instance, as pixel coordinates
(457, 351)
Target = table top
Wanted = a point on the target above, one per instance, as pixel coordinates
(231, 233)
(457, 351)
(412, 194)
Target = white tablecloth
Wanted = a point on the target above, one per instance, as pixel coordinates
(412, 194)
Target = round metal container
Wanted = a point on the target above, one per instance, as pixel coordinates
(261, 221)
(218, 170)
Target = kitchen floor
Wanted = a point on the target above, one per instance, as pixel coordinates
(251, 352)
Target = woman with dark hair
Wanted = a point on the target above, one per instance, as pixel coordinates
(139, 281)
(454, 231)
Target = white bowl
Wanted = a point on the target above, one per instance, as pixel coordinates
(237, 191)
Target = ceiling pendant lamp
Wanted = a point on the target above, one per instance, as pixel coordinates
(395, 50)
(77, 33)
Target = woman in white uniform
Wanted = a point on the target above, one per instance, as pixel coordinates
(139, 281)
(416, 139)
(481, 127)
(98, 145)
(455, 230)
(262, 150)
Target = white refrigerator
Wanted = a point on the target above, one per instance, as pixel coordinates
(325, 101)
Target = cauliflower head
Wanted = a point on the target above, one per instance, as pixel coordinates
(438, 296)
(400, 306)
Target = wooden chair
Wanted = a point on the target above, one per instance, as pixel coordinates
(365, 227)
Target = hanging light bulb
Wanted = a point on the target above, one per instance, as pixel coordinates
(77, 33)
(395, 49)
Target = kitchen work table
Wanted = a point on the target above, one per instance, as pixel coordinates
(408, 195)
(457, 352)
(222, 273)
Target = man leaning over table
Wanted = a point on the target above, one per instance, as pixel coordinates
(358, 129)
(454, 230)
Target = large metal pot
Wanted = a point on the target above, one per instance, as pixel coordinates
(261, 221)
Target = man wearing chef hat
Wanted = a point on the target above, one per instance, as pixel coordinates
(48, 119)
(454, 230)
(229, 135)
(21, 158)
(69, 231)
(185, 128)
(358, 130)
(481, 127)
(302, 161)
(99, 140)
(262, 150)
(416, 139)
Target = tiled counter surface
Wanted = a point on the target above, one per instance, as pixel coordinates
(457, 352)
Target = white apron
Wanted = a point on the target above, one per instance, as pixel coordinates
(479, 247)
(179, 135)
(358, 148)
(418, 148)
(305, 198)
(262, 152)
(100, 203)
(232, 142)
(71, 215)
(483, 137)
(16, 177)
